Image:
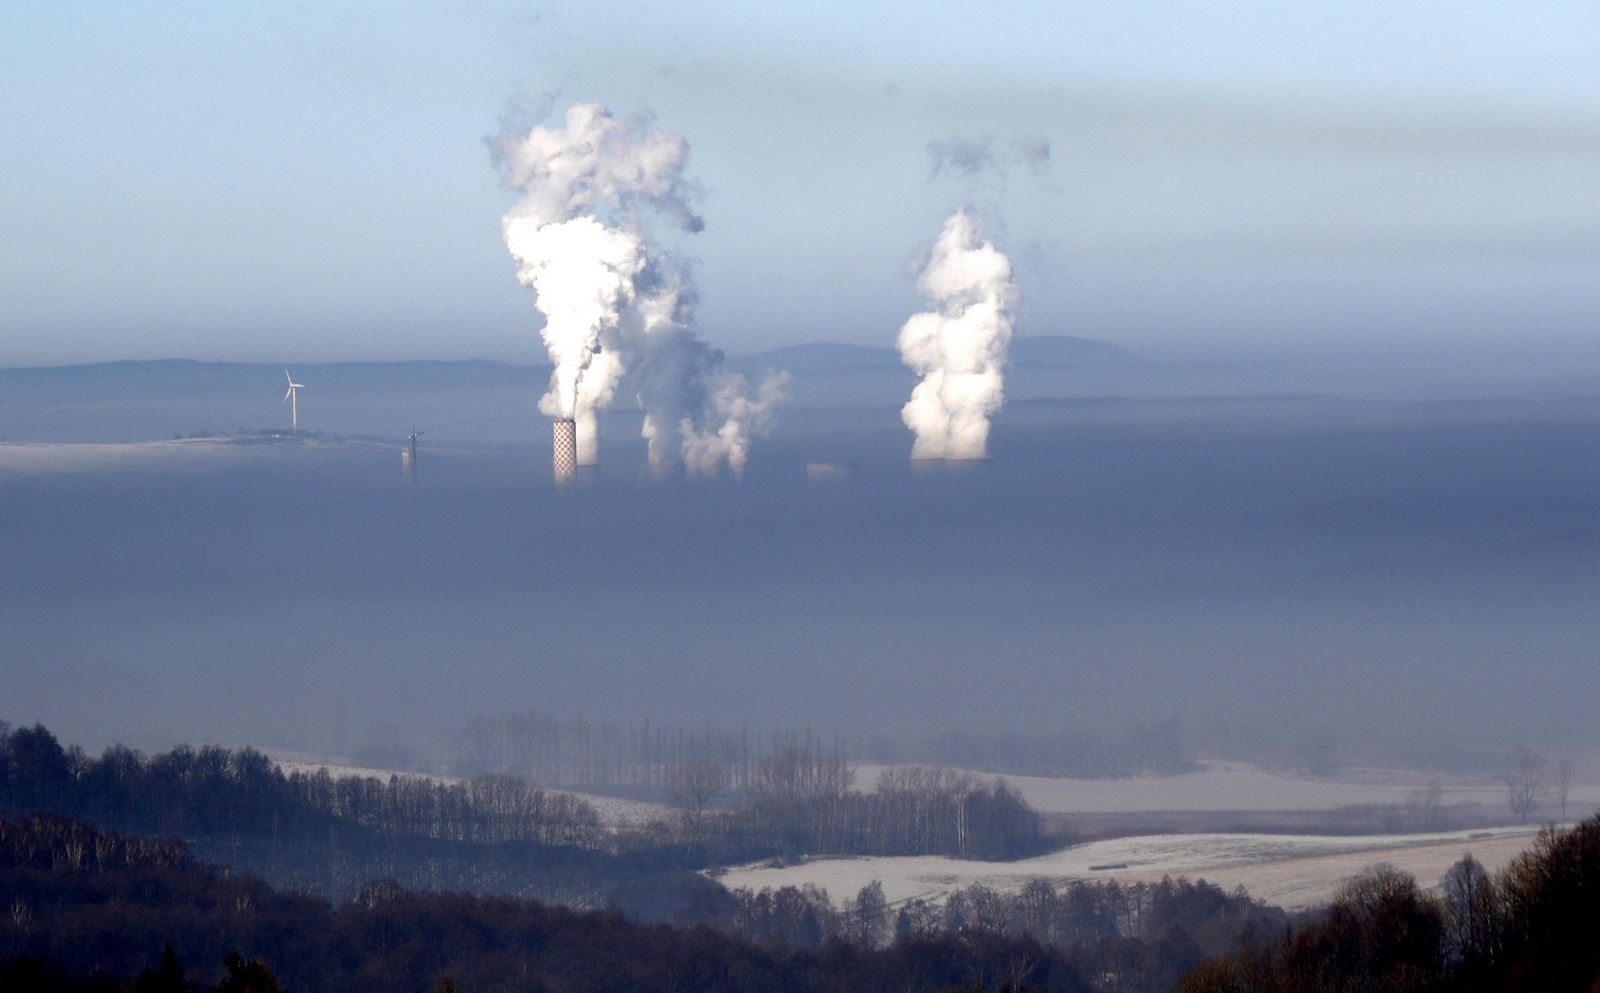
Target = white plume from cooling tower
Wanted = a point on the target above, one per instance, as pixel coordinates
(959, 348)
(614, 302)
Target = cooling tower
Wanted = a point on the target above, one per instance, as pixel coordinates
(565, 462)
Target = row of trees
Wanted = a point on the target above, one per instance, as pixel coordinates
(1532, 926)
(78, 922)
(495, 833)
(73, 925)
(800, 804)
(213, 792)
(1533, 780)
(489, 809)
(1077, 914)
(575, 751)
(799, 801)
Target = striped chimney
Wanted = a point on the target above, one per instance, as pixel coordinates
(566, 449)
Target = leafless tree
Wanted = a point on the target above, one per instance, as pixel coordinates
(1527, 782)
(1470, 909)
(1424, 804)
(1563, 783)
(867, 916)
(694, 787)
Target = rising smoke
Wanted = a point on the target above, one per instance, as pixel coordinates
(615, 303)
(959, 348)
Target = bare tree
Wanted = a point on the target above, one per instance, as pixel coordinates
(1563, 783)
(694, 787)
(867, 916)
(1469, 911)
(1424, 804)
(1527, 782)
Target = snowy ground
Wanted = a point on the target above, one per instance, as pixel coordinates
(614, 812)
(1292, 871)
(1238, 786)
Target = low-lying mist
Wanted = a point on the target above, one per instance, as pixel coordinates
(1424, 576)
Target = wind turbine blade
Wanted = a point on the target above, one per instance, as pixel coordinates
(288, 377)
(286, 395)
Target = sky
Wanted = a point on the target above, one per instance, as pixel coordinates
(310, 182)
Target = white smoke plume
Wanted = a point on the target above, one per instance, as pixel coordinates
(741, 418)
(959, 349)
(614, 303)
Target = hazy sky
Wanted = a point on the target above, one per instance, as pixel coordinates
(267, 181)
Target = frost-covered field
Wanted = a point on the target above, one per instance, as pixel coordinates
(1239, 786)
(1293, 871)
(614, 812)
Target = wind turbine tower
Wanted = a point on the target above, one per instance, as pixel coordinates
(293, 398)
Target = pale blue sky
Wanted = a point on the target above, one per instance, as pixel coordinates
(307, 182)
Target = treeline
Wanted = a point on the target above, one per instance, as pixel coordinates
(319, 834)
(215, 792)
(799, 804)
(495, 833)
(1533, 926)
(1139, 936)
(88, 910)
(577, 752)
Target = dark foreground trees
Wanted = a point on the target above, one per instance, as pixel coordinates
(85, 909)
(1534, 926)
(496, 834)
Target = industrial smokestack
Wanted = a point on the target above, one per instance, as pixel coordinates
(615, 302)
(565, 461)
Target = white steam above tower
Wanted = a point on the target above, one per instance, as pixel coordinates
(616, 303)
(959, 348)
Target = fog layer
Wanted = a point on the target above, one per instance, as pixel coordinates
(1373, 566)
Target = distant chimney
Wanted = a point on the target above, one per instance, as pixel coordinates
(566, 449)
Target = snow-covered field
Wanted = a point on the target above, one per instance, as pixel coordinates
(1292, 871)
(614, 812)
(1239, 786)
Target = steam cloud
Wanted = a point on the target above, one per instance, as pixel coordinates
(959, 349)
(614, 302)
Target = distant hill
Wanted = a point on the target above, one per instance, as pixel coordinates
(1043, 350)
(464, 400)
(173, 378)
(153, 400)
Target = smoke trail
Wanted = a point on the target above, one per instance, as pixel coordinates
(740, 417)
(959, 349)
(614, 303)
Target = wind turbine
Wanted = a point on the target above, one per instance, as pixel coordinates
(293, 400)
